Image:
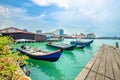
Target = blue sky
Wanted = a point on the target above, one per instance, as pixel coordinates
(101, 17)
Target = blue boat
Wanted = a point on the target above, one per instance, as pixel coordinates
(39, 54)
(61, 46)
(81, 43)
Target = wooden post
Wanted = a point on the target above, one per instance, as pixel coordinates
(117, 45)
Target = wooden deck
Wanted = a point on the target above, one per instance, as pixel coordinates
(105, 65)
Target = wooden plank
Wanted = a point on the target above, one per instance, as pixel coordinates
(101, 69)
(99, 77)
(109, 72)
(118, 52)
(84, 72)
(92, 73)
(116, 70)
(116, 57)
(108, 79)
(82, 75)
(105, 65)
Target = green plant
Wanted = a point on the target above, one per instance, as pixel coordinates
(9, 61)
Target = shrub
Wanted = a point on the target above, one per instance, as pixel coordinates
(9, 61)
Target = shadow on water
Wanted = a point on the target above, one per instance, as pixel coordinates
(69, 55)
(50, 48)
(89, 47)
(80, 50)
(49, 68)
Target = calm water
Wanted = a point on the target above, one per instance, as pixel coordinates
(68, 66)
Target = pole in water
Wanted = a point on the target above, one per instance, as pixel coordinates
(117, 45)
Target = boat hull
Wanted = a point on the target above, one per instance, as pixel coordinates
(49, 57)
(70, 48)
(81, 43)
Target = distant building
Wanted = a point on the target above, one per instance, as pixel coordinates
(39, 32)
(65, 35)
(21, 34)
(58, 32)
(25, 29)
(49, 35)
(61, 32)
(91, 36)
(82, 36)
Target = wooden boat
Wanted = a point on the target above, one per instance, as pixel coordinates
(39, 54)
(81, 43)
(61, 46)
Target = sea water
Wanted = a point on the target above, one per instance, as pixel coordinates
(69, 65)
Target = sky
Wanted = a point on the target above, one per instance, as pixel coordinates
(101, 17)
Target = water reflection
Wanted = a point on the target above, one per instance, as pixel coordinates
(69, 56)
(49, 68)
(80, 50)
(89, 47)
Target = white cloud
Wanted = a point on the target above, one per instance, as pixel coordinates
(18, 17)
(68, 4)
(42, 15)
(42, 2)
(28, 4)
(60, 3)
(79, 14)
(6, 23)
(4, 12)
(5, 17)
(88, 8)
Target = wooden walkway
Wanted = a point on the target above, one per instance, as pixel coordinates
(105, 65)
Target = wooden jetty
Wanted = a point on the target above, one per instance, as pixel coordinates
(105, 65)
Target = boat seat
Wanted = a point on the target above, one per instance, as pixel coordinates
(38, 53)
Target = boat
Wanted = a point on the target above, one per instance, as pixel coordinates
(81, 43)
(61, 46)
(39, 54)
